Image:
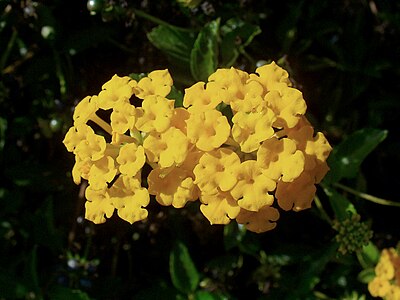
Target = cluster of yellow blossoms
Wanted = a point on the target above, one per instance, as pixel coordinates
(236, 166)
(386, 284)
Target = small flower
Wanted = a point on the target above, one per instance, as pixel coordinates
(200, 99)
(157, 83)
(123, 117)
(216, 170)
(155, 114)
(280, 157)
(379, 287)
(296, 195)
(93, 146)
(131, 159)
(219, 208)
(252, 187)
(129, 198)
(115, 90)
(208, 130)
(75, 135)
(272, 77)
(98, 205)
(288, 105)
(261, 221)
(102, 172)
(251, 129)
(85, 109)
(173, 186)
(168, 148)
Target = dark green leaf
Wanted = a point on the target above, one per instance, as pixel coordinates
(183, 272)
(365, 276)
(346, 158)
(173, 42)
(236, 34)
(204, 55)
(341, 205)
(159, 290)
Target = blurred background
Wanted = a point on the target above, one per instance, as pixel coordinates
(343, 56)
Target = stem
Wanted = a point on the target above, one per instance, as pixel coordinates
(7, 51)
(321, 209)
(60, 74)
(103, 124)
(367, 197)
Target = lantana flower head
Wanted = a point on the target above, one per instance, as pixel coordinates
(241, 145)
(386, 283)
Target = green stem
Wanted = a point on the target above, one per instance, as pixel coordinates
(321, 209)
(156, 20)
(60, 74)
(367, 197)
(7, 51)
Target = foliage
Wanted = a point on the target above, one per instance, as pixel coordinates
(343, 56)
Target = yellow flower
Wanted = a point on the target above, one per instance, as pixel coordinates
(93, 146)
(168, 148)
(155, 114)
(261, 221)
(75, 135)
(98, 205)
(123, 117)
(80, 169)
(316, 148)
(158, 83)
(129, 198)
(200, 99)
(296, 195)
(208, 130)
(131, 159)
(115, 90)
(102, 172)
(172, 186)
(251, 129)
(280, 158)
(272, 77)
(252, 187)
(379, 287)
(288, 105)
(216, 170)
(230, 84)
(394, 293)
(85, 109)
(219, 208)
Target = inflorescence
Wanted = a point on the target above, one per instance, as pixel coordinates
(241, 145)
(386, 283)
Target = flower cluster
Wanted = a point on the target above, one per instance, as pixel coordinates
(386, 283)
(352, 234)
(241, 145)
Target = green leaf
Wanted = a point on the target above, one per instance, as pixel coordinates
(184, 274)
(204, 55)
(236, 34)
(341, 205)
(365, 276)
(346, 158)
(369, 256)
(173, 42)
